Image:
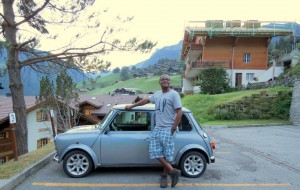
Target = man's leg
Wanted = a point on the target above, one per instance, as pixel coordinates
(167, 166)
(164, 177)
(168, 169)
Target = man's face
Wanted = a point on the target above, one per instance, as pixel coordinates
(164, 82)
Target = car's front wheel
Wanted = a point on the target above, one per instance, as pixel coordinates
(193, 164)
(77, 164)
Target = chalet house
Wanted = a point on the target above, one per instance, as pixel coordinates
(127, 91)
(240, 47)
(38, 122)
(95, 107)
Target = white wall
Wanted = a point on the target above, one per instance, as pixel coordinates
(187, 85)
(261, 75)
(37, 130)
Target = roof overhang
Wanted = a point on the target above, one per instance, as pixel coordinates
(237, 32)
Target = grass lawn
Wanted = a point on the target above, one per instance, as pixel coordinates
(12, 167)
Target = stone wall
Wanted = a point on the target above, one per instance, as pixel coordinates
(295, 105)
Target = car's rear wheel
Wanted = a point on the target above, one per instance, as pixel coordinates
(77, 164)
(193, 164)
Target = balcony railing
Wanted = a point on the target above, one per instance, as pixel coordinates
(207, 64)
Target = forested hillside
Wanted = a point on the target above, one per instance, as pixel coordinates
(145, 84)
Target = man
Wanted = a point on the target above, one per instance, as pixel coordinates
(168, 112)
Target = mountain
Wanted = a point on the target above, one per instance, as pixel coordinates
(31, 78)
(170, 52)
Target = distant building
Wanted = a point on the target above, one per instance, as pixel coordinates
(127, 91)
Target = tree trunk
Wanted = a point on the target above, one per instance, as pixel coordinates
(13, 68)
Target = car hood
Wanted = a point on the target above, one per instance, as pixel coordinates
(83, 128)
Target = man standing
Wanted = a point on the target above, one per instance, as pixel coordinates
(168, 112)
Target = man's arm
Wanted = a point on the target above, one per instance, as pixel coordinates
(177, 120)
(139, 103)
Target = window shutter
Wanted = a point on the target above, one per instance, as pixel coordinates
(38, 116)
(39, 143)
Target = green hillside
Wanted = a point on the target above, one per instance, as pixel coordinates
(146, 85)
(201, 104)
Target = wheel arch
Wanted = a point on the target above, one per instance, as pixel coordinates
(81, 147)
(190, 148)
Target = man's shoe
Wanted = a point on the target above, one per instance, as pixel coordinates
(174, 176)
(164, 181)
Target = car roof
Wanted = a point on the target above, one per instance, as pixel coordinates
(146, 107)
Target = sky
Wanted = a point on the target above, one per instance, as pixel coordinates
(163, 21)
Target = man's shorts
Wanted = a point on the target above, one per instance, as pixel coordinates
(162, 144)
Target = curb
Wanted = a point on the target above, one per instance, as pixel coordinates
(8, 184)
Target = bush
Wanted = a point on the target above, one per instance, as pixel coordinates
(181, 95)
(281, 105)
(214, 81)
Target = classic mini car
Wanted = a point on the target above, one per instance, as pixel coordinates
(122, 140)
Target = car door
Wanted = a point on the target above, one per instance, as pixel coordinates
(127, 142)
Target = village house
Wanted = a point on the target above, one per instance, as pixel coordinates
(95, 107)
(127, 91)
(38, 122)
(240, 47)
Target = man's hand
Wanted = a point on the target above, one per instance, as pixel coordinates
(139, 103)
(173, 131)
(128, 107)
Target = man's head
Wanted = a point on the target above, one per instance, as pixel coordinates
(164, 81)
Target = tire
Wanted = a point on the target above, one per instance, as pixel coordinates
(77, 164)
(193, 164)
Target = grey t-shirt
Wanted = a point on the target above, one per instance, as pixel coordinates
(165, 106)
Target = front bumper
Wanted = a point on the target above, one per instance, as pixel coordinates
(55, 158)
(212, 159)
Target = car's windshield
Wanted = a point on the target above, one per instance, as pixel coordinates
(102, 123)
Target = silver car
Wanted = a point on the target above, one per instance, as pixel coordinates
(122, 140)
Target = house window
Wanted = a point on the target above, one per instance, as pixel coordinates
(42, 115)
(247, 58)
(42, 142)
(249, 76)
(88, 112)
(2, 160)
(2, 135)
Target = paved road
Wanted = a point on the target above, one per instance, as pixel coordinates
(248, 158)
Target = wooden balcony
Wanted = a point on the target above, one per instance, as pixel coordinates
(6, 145)
(193, 69)
(187, 47)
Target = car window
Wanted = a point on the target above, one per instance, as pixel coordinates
(184, 124)
(131, 121)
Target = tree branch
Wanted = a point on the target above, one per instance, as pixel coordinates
(25, 43)
(59, 56)
(33, 14)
